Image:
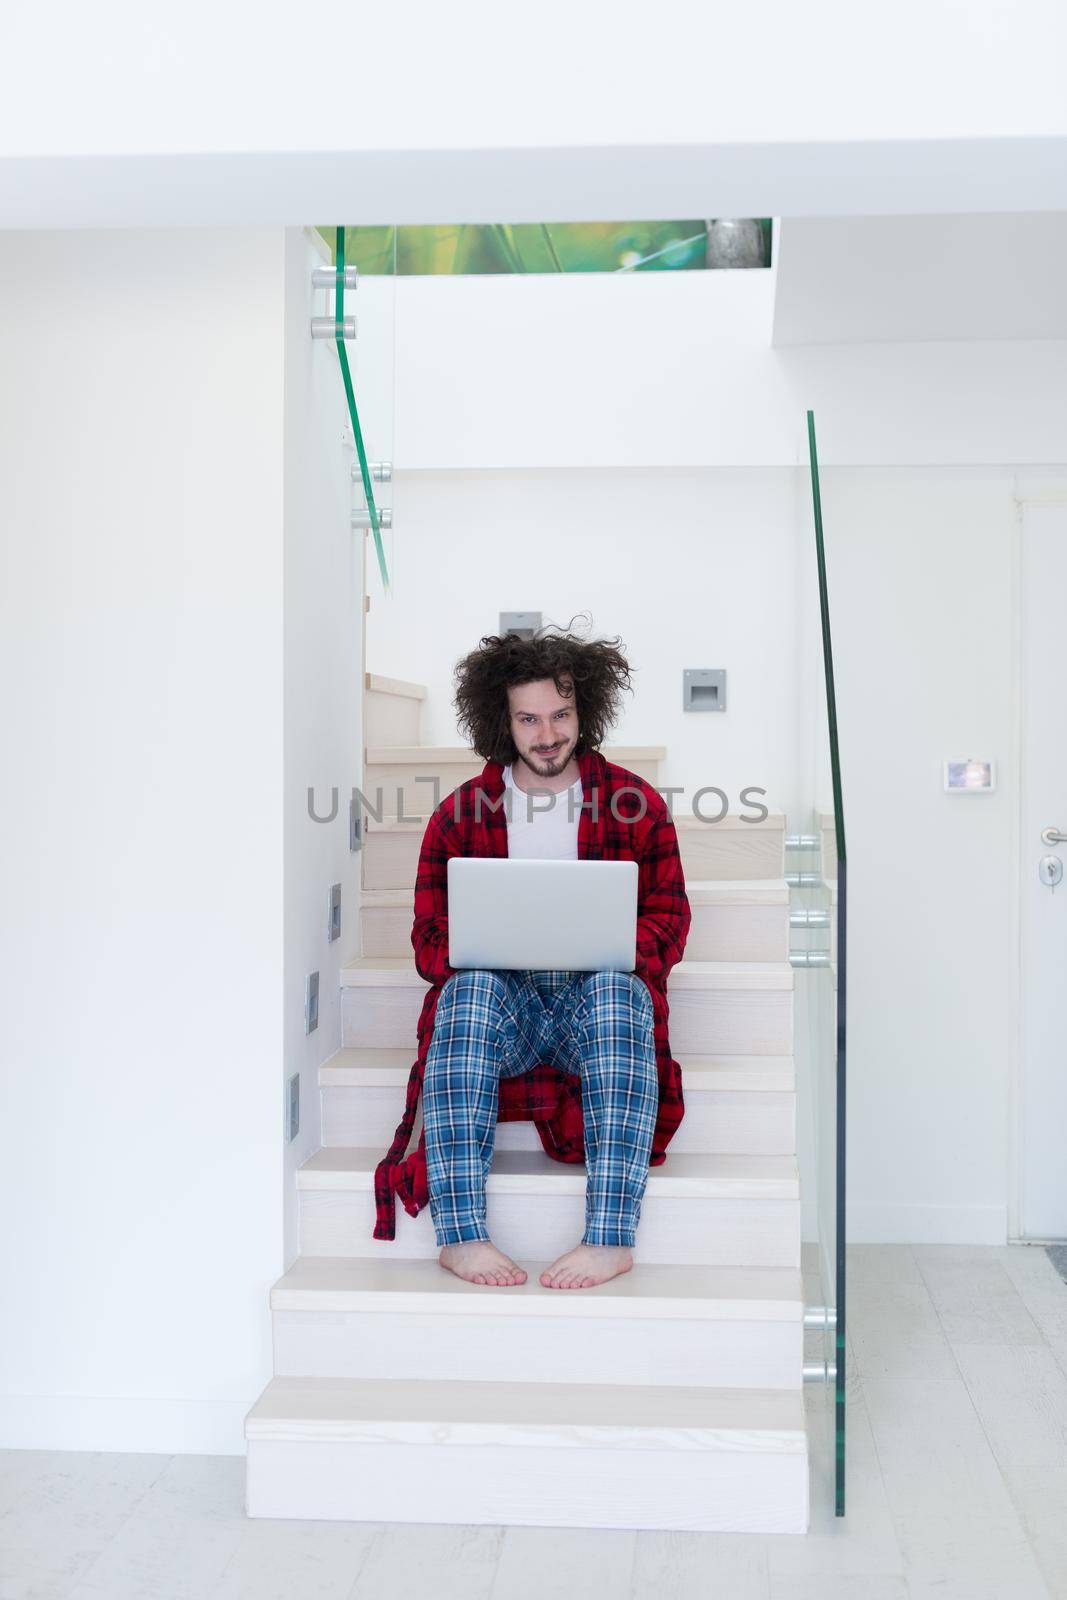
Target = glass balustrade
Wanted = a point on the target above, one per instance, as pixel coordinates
(815, 864)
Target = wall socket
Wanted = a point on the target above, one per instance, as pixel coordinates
(294, 1106)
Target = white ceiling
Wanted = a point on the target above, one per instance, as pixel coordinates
(548, 184)
(210, 77)
(122, 114)
(847, 280)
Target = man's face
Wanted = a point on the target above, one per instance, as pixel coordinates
(544, 725)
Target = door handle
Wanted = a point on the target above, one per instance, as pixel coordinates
(1053, 836)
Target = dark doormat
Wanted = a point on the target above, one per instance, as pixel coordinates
(1057, 1254)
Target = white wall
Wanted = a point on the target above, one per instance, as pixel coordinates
(677, 370)
(921, 565)
(153, 519)
(866, 279)
(693, 568)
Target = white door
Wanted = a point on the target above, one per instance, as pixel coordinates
(1043, 739)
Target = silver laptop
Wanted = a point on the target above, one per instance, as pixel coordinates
(578, 916)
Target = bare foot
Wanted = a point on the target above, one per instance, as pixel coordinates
(478, 1261)
(586, 1265)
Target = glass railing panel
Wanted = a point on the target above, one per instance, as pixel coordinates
(816, 870)
(367, 375)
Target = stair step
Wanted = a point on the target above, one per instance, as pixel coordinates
(391, 773)
(733, 1105)
(377, 684)
(391, 710)
(711, 851)
(344, 1317)
(710, 892)
(716, 1124)
(734, 821)
(712, 1210)
(532, 1454)
(363, 1068)
(439, 754)
(705, 1177)
(744, 919)
(735, 1294)
(373, 972)
(717, 1007)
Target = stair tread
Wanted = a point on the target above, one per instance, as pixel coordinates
(367, 1066)
(619, 1415)
(701, 891)
(765, 1294)
(402, 688)
(367, 971)
(395, 754)
(773, 821)
(684, 1173)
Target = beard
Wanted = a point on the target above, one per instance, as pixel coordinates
(554, 761)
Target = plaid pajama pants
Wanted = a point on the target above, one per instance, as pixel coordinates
(500, 1023)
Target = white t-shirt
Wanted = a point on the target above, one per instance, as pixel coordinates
(542, 826)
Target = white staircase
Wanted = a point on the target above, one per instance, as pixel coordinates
(668, 1398)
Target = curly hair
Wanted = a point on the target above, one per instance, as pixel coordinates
(598, 669)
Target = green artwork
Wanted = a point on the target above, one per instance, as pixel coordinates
(468, 248)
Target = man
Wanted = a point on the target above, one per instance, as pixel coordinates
(586, 1055)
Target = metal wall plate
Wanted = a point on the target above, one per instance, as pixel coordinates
(293, 1107)
(524, 623)
(704, 689)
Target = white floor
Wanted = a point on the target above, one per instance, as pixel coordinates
(957, 1485)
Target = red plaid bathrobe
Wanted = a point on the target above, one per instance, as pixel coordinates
(611, 827)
